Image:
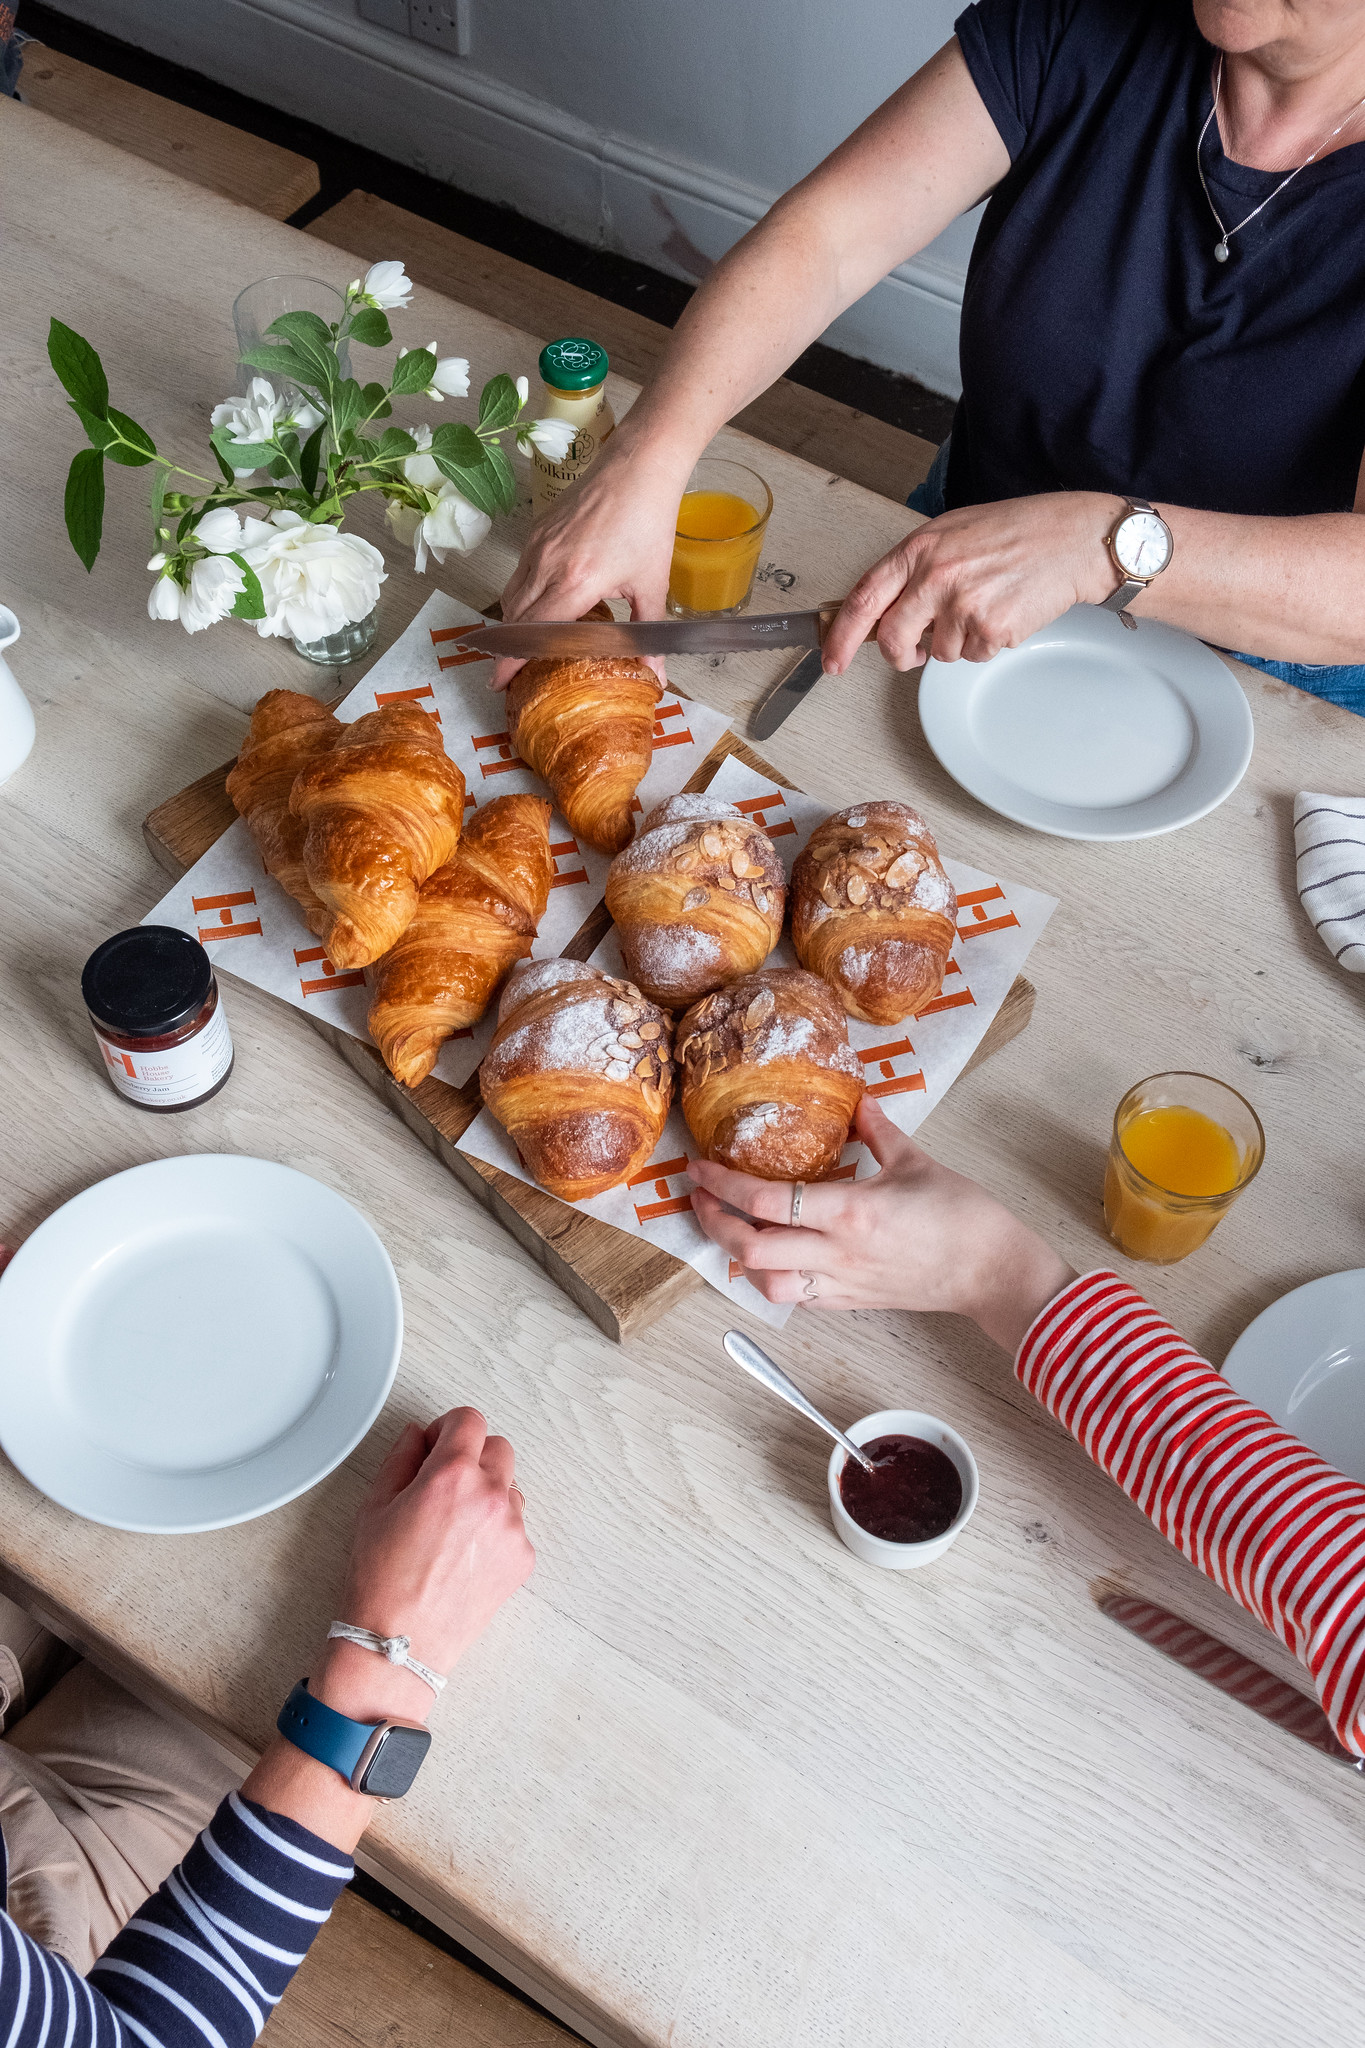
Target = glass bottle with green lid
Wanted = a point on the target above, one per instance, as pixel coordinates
(574, 371)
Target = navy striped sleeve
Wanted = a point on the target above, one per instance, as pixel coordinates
(203, 1963)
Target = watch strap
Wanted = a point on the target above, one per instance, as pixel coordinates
(321, 1732)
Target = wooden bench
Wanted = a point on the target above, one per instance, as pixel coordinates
(821, 430)
(240, 166)
(373, 1983)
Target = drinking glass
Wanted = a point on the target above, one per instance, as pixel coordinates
(1150, 1221)
(721, 523)
(254, 309)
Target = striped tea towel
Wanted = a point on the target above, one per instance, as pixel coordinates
(1329, 840)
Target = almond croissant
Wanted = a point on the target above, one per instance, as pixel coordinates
(380, 813)
(580, 1075)
(287, 731)
(873, 911)
(586, 728)
(476, 917)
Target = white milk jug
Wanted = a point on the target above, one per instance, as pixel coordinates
(16, 719)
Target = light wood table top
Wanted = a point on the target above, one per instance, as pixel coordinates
(708, 1779)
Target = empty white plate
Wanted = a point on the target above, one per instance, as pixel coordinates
(1303, 1361)
(1090, 731)
(194, 1342)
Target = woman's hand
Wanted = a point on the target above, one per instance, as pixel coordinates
(916, 1236)
(982, 578)
(612, 536)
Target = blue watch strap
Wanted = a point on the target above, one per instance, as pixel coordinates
(321, 1732)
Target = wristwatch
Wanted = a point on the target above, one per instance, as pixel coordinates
(1141, 544)
(378, 1757)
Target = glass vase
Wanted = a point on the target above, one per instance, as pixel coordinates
(339, 648)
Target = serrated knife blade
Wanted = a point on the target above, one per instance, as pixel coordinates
(784, 697)
(573, 639)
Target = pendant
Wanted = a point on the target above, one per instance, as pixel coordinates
(1220, 251)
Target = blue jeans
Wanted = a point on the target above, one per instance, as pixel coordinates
(1343, 685)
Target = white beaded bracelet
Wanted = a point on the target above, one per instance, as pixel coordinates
(396, 1648)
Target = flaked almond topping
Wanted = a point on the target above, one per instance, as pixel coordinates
(702, 1074)
(663, 1055)
(761, 901)
(686, 860)
(618, 1070)
(650, 1031)
(653, 1101)
(713, 844)
(905, 872)
(644, 1066)
(863, 856)
(632, 1039)
(728, 883)
(695, 898)
(624, 1012)
(760, 1009)
(741, 865)
(829, 889)
(857, 888)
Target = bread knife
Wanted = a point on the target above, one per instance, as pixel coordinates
(577, 639)
(784, 697)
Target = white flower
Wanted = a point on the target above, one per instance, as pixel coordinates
(263, 415)
(314, 579)
(220, 531)
(450, 378)
(404, 521)
(163, 599)
(215, 586)
(158, 561)
(420, 469)
(386, 285)
(554, 438)
(452, 522)
(523, 390)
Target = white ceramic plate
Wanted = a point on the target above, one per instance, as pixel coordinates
(1090, 731)
(194, 1342)
(1303, 1361)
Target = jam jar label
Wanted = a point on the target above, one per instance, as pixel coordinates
(180, 1073)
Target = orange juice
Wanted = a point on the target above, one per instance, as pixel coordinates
(716, 549)
(1174, 1171)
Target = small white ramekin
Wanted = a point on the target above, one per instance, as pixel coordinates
(899, 1557)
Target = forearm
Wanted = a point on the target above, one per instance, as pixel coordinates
(1256, 1510)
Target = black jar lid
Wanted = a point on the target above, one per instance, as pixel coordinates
(147, 981)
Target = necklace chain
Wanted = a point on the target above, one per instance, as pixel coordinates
(1220, 250)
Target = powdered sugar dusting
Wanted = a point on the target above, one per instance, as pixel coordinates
(665, 954)
(530, 977)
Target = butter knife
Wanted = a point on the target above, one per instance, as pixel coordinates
(784, 697)
(573, 639)
(1241, 1678)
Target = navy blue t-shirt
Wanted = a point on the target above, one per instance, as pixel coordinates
(1103, 348)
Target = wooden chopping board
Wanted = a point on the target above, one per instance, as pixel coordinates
(622, 1282)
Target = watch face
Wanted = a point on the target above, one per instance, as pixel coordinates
(395, 1762)
(1142, 543)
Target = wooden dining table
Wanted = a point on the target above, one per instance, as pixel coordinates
(708, 1779)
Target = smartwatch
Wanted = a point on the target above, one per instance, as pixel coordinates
(1141, 544)
(378, 1757)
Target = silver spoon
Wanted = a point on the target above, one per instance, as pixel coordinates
(757, 1362)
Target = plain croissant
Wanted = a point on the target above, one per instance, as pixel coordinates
(579, 1074)
(381, 811)
(287, 731)
(873, 911)
(476, 917)
(698, 897)
(769, 1079)
(586, 728)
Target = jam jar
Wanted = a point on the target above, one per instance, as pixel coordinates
(153, 1000)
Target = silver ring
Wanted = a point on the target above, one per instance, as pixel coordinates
(515, 1489)
(808, 1291)
(798, 1195)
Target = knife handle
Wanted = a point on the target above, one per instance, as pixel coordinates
(828, 610)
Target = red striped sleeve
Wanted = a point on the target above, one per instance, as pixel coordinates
(1253, 1507)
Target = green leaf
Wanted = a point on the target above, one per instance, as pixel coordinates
(479, 485)
(79, 368)
(458, 444)
(347, 406)
(231, 457)
(377, 406)
(413, 372)
(289, 448)
(310, 458)
(250, 600)
(85, 504)
(97, 428)
(134, 446)
(311, 340)
(225, 467)
(158, 501)
(280, 468)
(370, 328)
(498, 402)
(393, 442)
(285, 365)
(505, 474)
(361, 451)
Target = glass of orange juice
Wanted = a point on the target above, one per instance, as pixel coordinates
(1184, 1146)
(721, 523)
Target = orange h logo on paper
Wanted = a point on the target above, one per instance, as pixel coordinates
(331, 977)
(227, 926)
(957, 999)
(885, 1057)
(668, 1203)
(566, 849)
(383, 697)
(756, 809)
(679, 736)
(443, 633)
(980, 921)
(497, 748)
